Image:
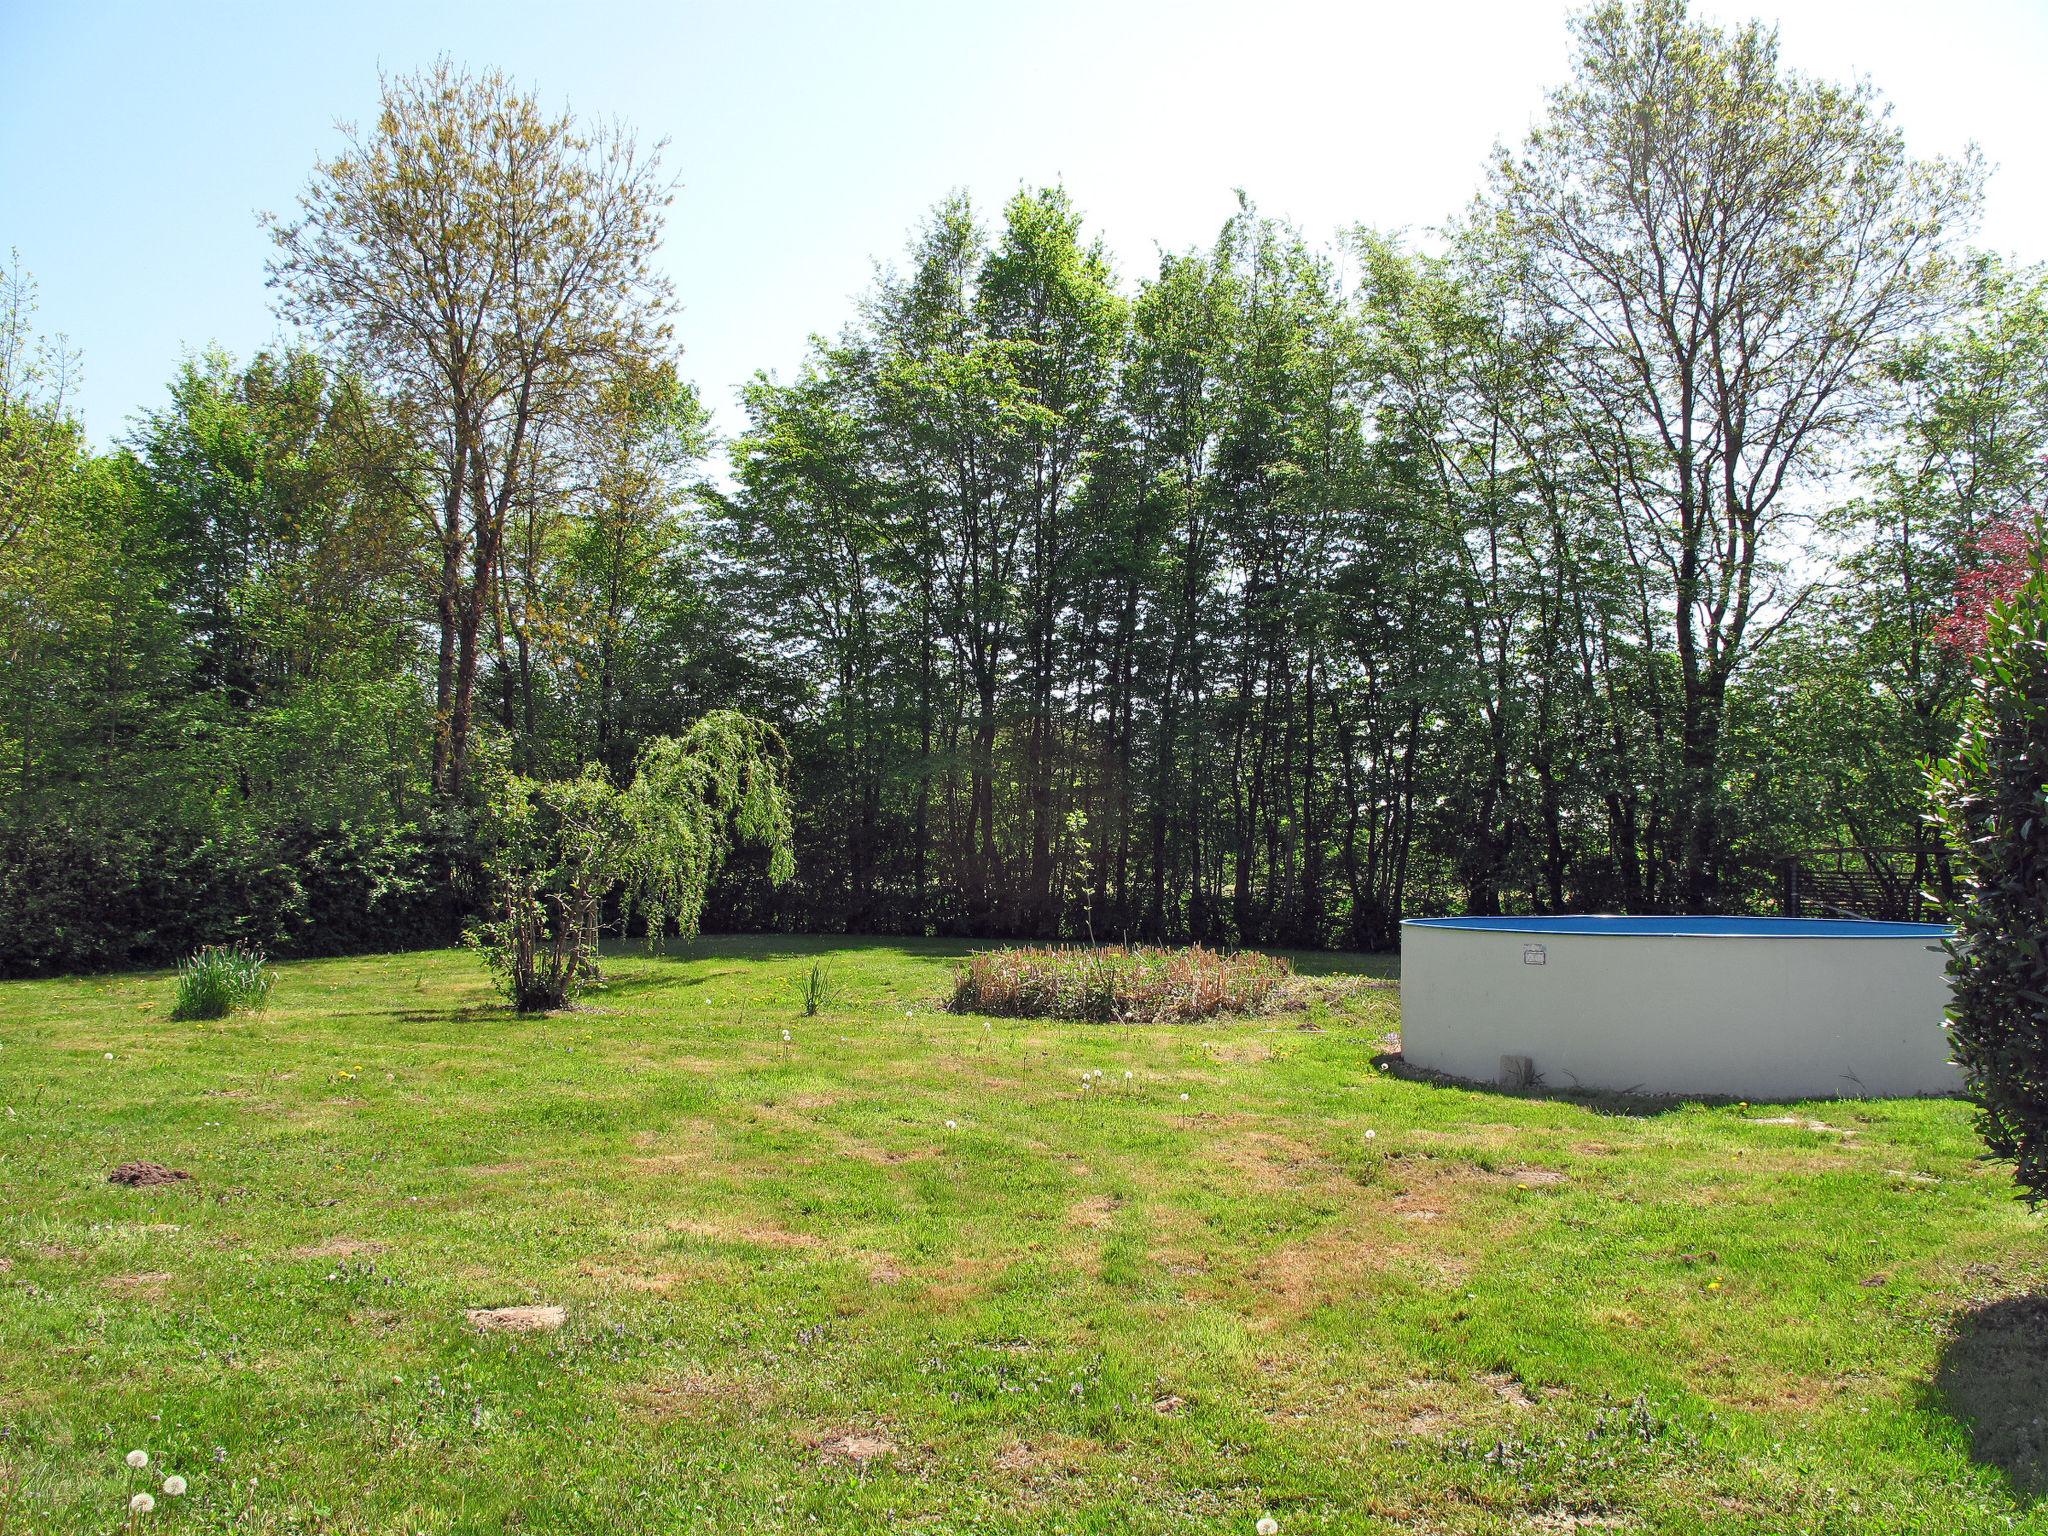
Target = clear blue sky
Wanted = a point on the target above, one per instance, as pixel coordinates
(138, 142)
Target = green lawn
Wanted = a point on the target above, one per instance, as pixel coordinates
(904, 1273)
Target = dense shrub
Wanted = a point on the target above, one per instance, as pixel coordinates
(81, 899)
(1117, 984)
(1992, 796)
(220, 978)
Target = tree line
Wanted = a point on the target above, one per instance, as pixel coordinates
(1593, 556)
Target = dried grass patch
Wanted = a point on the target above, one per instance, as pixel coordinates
(152, 1284)
(696, 1394)
(1096, 1212)
(338, 1248)
(760, 1234)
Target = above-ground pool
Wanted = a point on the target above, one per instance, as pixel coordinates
(1749, 1007)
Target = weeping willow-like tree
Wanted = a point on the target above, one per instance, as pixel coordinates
(557, 852)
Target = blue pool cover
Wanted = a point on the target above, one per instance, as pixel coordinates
(1696, 927)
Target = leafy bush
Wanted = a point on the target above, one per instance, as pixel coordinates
(219, 978)
(1117, 985)
(558, 852)
(80, 898)
(1992, 798)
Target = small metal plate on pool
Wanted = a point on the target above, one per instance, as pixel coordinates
(1535, 954)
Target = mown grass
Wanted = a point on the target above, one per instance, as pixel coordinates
(1314, 1289)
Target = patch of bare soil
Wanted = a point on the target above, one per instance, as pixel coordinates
(1509, 1390)
(1534, 1178)
(1415, 1208)
(144, 1175)
(537, 1319)
(150, 1284)
(856, 1448)
(886, 1157)
(337, 1248)
(1096, 1212)
(1044, 1463)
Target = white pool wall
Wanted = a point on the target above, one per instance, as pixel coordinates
(1747, 1016)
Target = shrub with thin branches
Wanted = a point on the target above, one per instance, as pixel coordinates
(1117, 985)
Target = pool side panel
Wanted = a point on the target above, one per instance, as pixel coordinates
(1766, 1018)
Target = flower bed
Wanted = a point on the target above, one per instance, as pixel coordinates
(1117, 984)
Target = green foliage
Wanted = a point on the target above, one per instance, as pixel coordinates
(557, 852)
(1992, 798)
(1232, 600)
(220, 978)
(813, 989)
(554, 852)
(87, 897)
(1117, 985)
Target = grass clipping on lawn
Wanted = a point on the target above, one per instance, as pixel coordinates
(1119, 985)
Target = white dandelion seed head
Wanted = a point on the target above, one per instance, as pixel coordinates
(952, 1125)
(1369, 1135)
(174, 1485)
(110, 1055)
(1183, 1098)
(785, 1034)
(142, 1503)
(1267, 1526)
(137, 1459)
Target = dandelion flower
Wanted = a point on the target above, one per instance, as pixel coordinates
(1183, 1098)
(1369, 1135)
(138, 1459)
(1267, 1526)
(142, 1504)
(952, 1125)
(174, 1485)
(1127, 1077)
(785, 1035)
(110, 1055)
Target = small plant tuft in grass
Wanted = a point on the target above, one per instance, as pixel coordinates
(220, 978)
(1118, 985)
(813, 990)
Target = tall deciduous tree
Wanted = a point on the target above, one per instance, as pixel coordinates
(1733, 248)
(488, 265)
